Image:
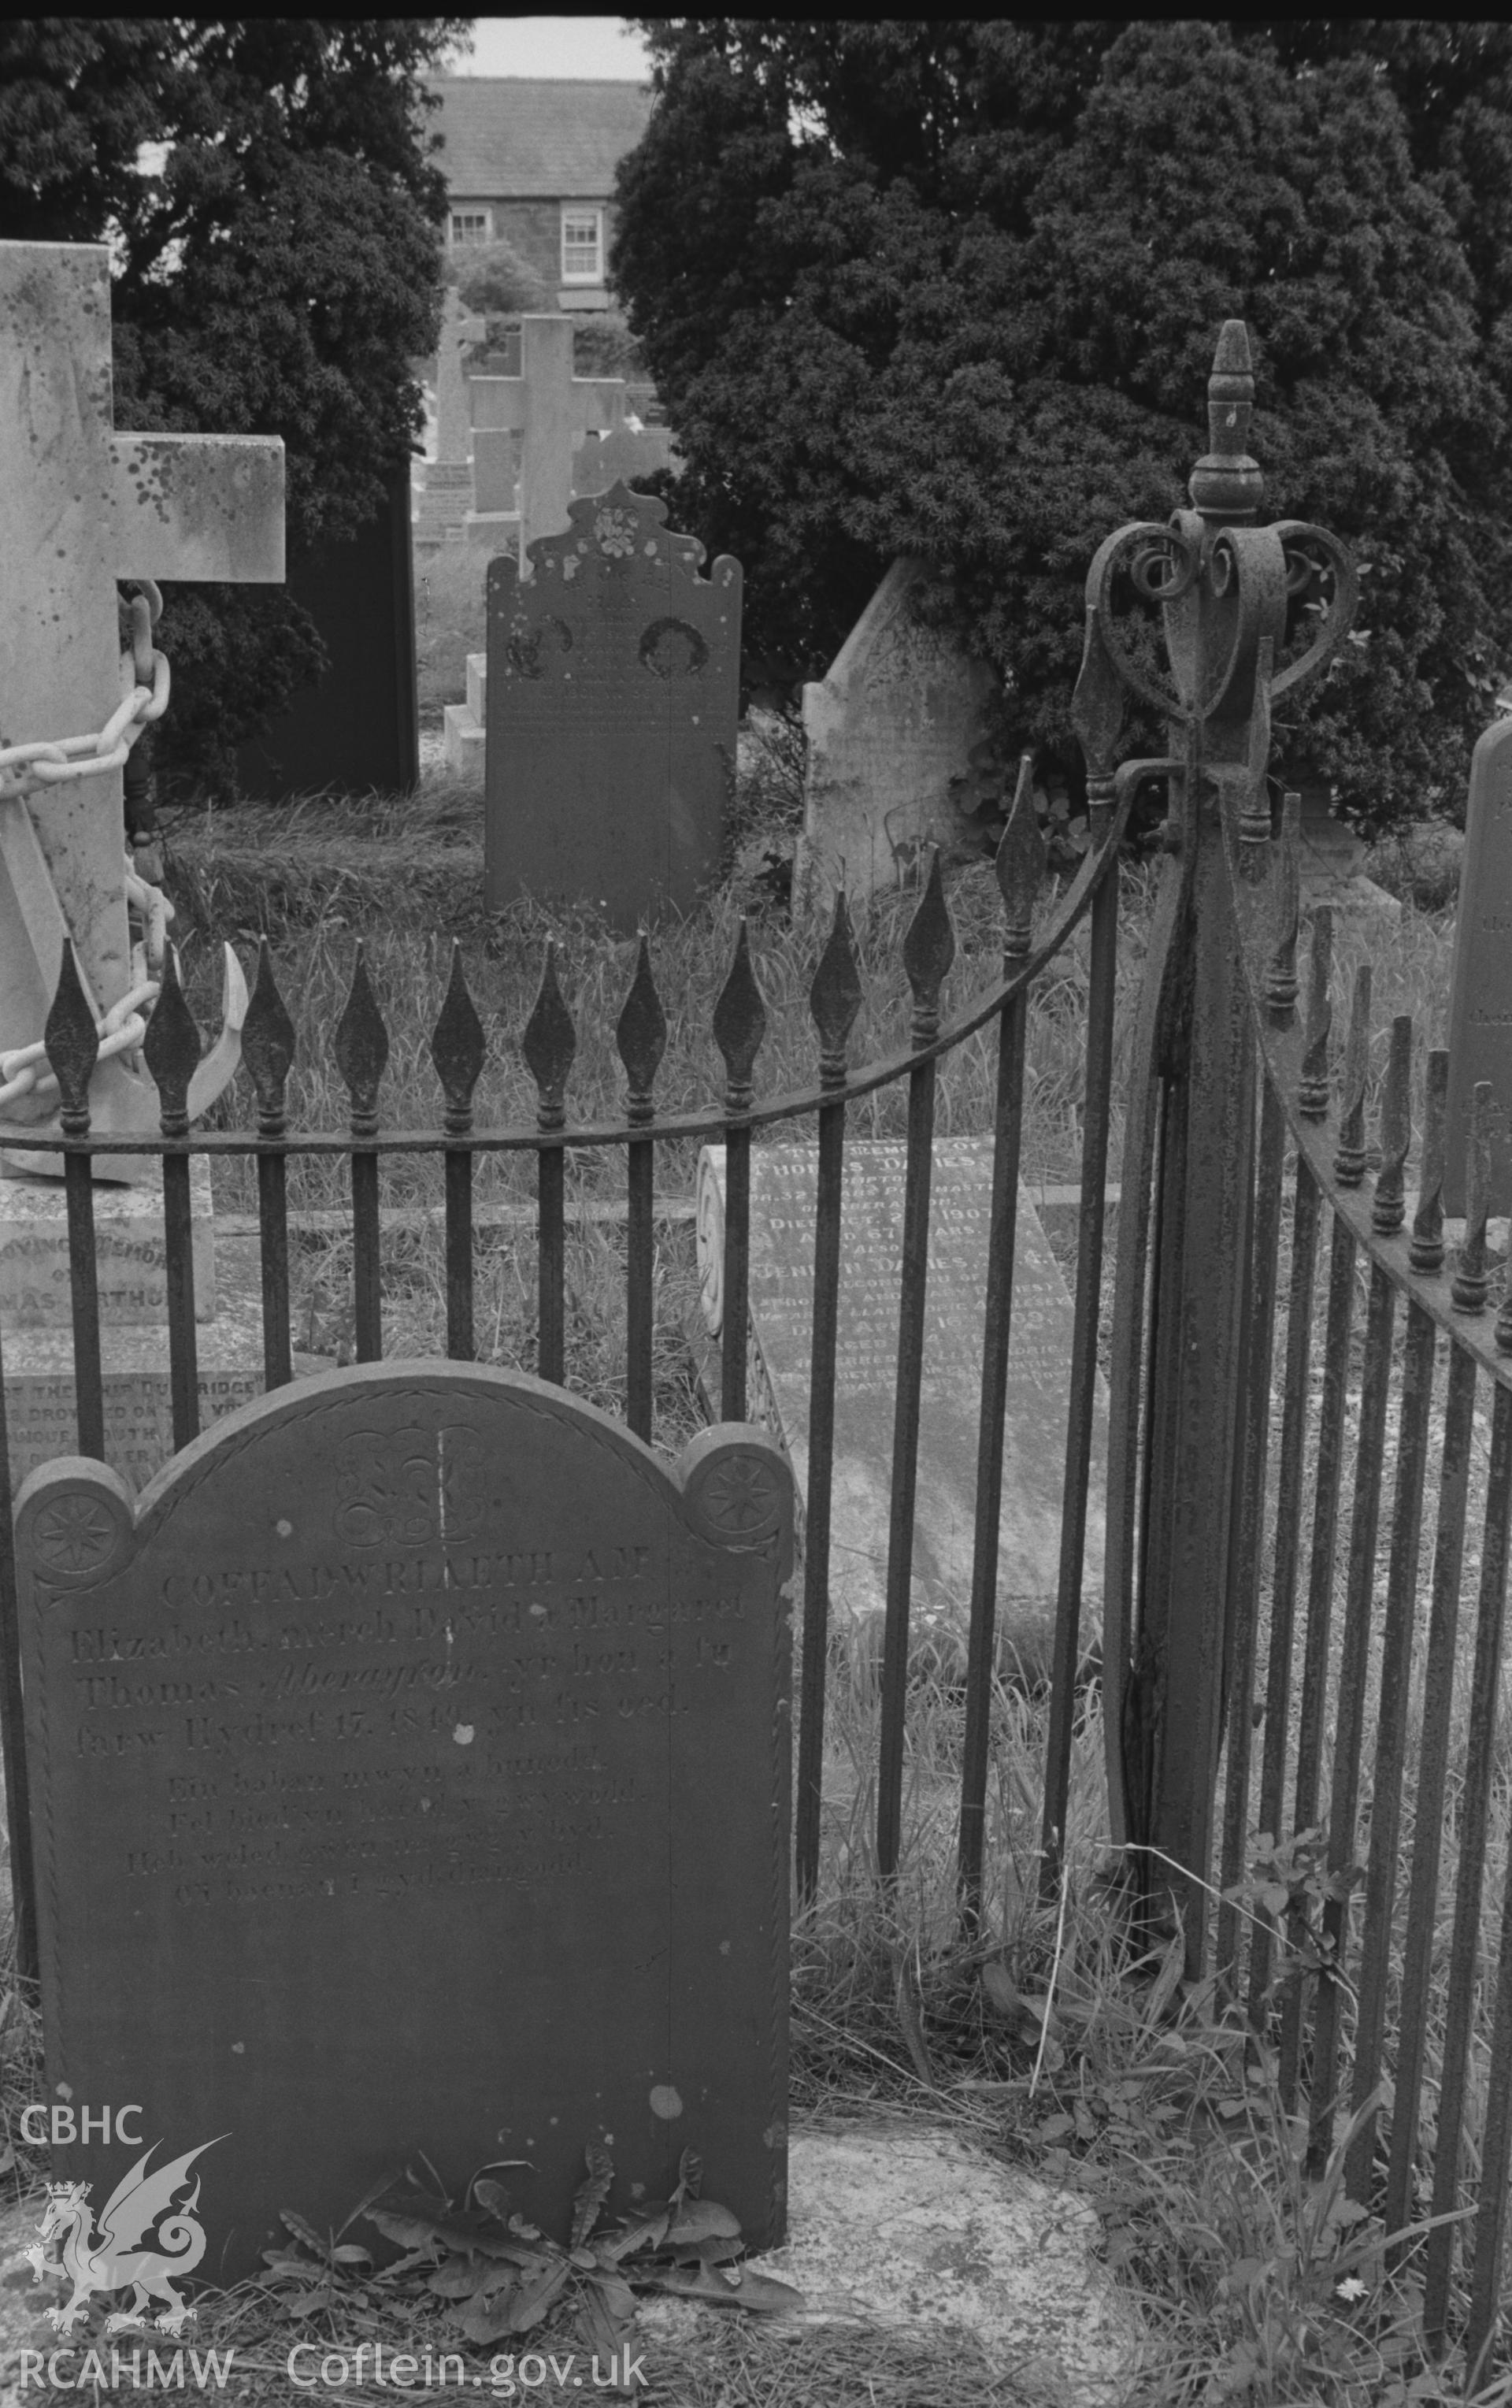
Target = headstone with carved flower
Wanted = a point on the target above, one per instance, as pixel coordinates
(613, 691)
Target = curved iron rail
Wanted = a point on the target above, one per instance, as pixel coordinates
(884, 1072)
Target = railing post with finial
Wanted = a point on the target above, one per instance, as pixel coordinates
(267, 1048)
(549, 1044)
(13, 1725)
(739, 1026)
(1180, 1569)
(928, 950)
(834, 999)
(171, 1049)
(641, 1038)
(73, 1048)
(361, 1052)
(458, 1051)
(1021, 870)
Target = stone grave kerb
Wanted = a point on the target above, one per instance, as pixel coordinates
(81, 507)
(549, 407)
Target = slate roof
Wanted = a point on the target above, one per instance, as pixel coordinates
(526, 137)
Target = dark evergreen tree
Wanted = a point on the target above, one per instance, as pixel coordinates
(275, 275)
(952, 288)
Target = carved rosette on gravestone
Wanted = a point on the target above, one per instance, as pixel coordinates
(613, 695)
(1480, 997)
(410, 1772)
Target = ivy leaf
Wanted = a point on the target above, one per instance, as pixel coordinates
(489, 2316)
(463, 2278)
(646, 2231)
(590, 2196)
(532, 2299)
(616, 2294)
(412, 2220)
(701, 2219)
(739, 2288)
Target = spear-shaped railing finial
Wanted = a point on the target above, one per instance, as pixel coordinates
(1226, 483)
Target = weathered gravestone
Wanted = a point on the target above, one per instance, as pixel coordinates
(1480, 996)
(81, 507)
(783, 1192)
(447, 496)
(542, 411)
(613, 693)
(891, 732)
(410, 1769)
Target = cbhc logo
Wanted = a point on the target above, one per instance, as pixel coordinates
(60, 2124)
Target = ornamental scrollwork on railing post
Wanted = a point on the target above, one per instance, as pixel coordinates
(1235, 599)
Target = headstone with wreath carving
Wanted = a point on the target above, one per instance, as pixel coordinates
(410, 1777)
(613, 691)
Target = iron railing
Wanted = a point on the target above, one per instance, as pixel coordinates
(1206, 1538)
(547, 1043)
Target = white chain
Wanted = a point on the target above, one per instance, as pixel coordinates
(26, 768)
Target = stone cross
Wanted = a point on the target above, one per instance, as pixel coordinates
(549, 407)
(81, 506)
(453, 427)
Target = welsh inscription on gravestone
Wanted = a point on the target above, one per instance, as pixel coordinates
(1480, 998)
(409, 1769)
(783, 1192)
(613, 691)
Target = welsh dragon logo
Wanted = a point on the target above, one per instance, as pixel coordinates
(137, 2212)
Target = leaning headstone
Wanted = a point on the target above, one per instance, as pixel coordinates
(613, 691)
(1481, 995)
(410, 1769)
(892, 730)
(547, 410)
(1332, 861)
(783, 1193)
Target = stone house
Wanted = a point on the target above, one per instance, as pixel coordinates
(530, 161)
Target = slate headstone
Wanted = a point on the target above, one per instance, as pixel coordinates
(613, 693)
(410, 1769)
(1480, 993)
(783, 1192)
(892, 731)
(357, 729)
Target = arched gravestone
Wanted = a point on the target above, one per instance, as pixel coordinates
(613, 693)
(410, 1772)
